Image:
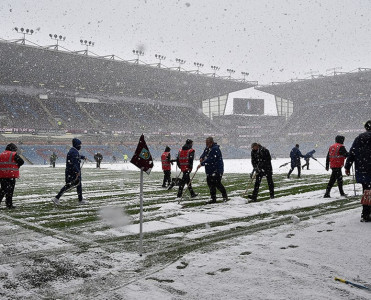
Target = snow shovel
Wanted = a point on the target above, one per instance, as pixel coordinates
(174, 181)
(285, 164)
(319, 162)
(249, 184)
(75, 182)
(186, 189)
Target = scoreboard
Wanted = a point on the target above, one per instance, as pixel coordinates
(242, 106)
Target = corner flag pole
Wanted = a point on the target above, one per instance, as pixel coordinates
(141, 214)
(142, 159)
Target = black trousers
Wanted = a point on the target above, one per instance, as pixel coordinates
(336, 175)
(297, 165)
(185, 180)
(7, 190)
(71, 183)
(98, 164)
(214, 182)
(258, 180)
(167, 178)
(306, 164)
(366, 208)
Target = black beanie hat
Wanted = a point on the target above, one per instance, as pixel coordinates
(11, 147)
(340, 139)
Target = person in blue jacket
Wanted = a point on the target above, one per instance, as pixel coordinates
(307, 157)
(73, 172)
(295, 155)
(212, 159)
(360, 154)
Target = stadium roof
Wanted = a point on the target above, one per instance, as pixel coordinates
(355, 85)
(24, 65)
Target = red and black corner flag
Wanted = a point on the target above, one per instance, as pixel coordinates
(142, 158)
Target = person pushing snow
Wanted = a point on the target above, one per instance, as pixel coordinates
(73, 172)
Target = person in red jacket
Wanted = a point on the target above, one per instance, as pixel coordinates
(166, 166)
(335, 160)
(10, 163)
(185, 162)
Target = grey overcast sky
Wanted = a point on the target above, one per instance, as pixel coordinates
(273, 40)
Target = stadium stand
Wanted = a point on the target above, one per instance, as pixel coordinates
(324, 107)
(48, 96)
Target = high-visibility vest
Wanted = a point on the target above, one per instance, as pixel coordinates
(184, 159)
(165, 162)
(336, 160)
(8, 166)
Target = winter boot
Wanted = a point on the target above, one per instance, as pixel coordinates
(211, 201)
(327, 194)
(252, 197)
(365, 218)
(171, 185)
(341, 190)
(56, 201)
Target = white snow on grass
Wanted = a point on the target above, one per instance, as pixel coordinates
(298, 259)
(293, 261)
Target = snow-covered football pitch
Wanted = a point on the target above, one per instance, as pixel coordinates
(290, 247)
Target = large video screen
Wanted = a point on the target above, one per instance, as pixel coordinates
(242, 106)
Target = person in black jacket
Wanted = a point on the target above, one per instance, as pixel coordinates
(295, 155)
(53, 159)
(360, 154)
(98, 157)
(262, 163)
(307, 158)
(10, 162)
(72, 173)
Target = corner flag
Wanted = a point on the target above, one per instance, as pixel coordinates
(142, 158)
